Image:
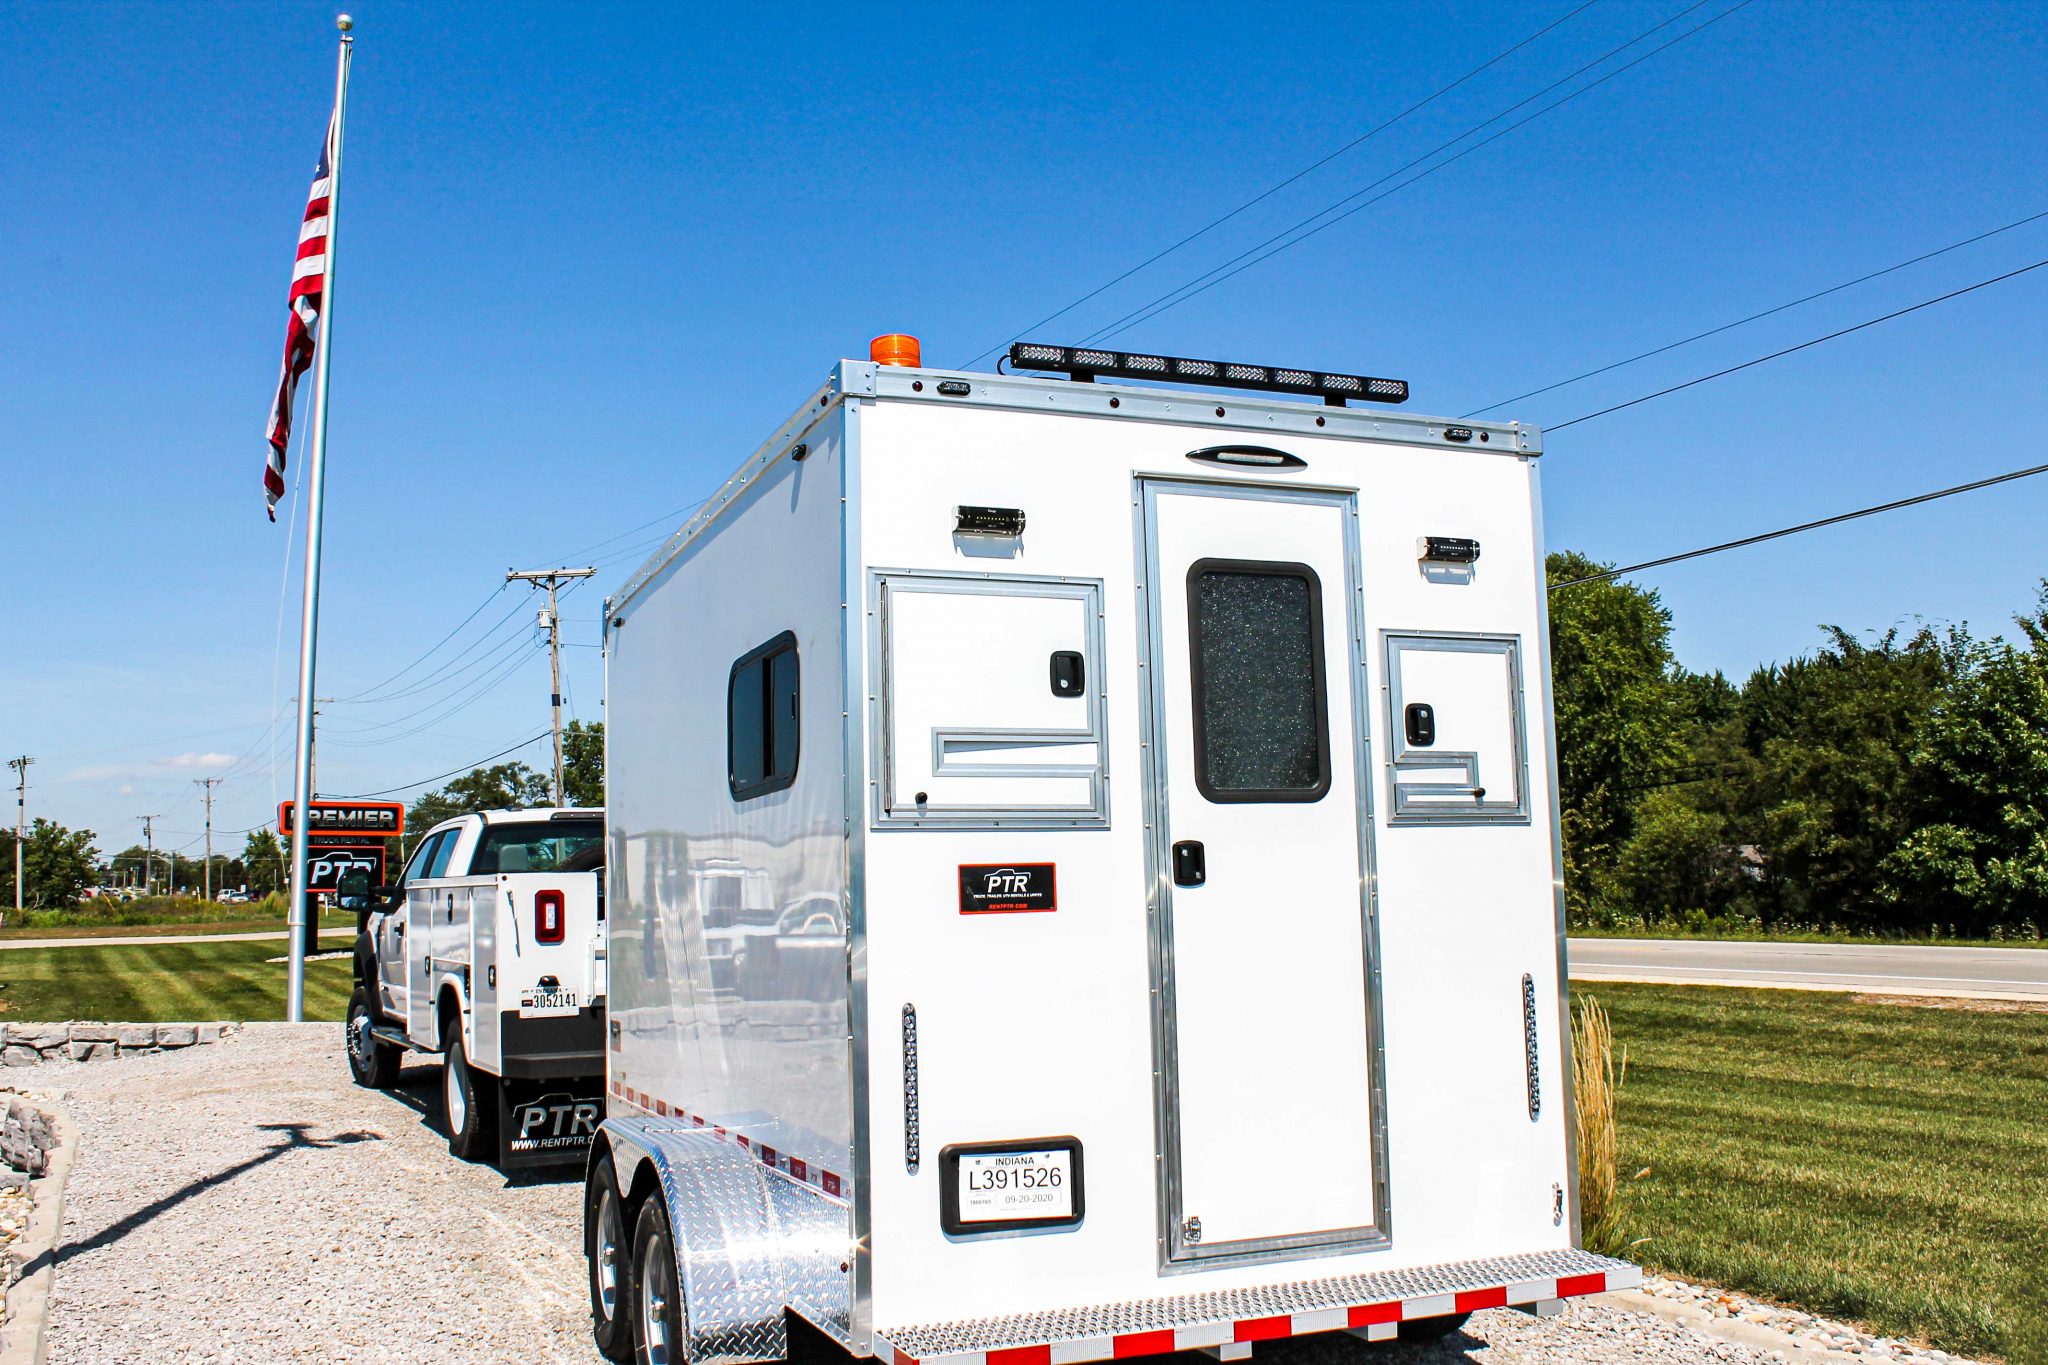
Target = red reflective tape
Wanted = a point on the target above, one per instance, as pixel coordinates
(1021, 1355)
(798, 1169)
(1263, 1329)
(1144, 1344)
(1572, 1285)
(830, 1182)
(902, 1359)
(1472, 1300)
(1366, 1314)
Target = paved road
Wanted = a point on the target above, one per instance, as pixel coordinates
(82, 942)
(1985, 973)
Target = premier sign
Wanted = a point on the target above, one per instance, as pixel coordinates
(359, 819)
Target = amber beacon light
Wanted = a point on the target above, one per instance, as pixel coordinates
(894, 349)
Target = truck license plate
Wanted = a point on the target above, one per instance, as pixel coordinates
(1001, 1187)
(546, 1004)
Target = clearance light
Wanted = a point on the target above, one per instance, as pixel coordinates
(1085, 364)
(895, 349)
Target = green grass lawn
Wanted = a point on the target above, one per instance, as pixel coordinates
(328, 922)
(1885, 1163)
(1751, 934)
(163, 983)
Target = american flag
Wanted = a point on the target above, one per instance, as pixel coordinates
(305, 300)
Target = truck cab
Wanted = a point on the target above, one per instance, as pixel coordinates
(489, 951)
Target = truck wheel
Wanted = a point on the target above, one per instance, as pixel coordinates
(611, 1262)
(658, 1295)
(1432, 1329)
(372, 1063)
(469, 1104)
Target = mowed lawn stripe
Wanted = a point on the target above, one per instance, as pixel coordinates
(1873, 1161)
(162, 983)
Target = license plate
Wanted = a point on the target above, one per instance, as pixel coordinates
(546, 1004)
(1004, 1187)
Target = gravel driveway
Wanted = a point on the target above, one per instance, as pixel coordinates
(244, 1202)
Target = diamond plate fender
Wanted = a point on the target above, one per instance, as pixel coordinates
(750, 1241)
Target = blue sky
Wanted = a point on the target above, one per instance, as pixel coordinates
(591, 255)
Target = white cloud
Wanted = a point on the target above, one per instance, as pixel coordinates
(198, 761)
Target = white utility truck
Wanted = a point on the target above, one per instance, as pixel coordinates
(1085, 878)
(490, 951)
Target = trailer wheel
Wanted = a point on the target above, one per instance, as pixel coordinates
(1432, 1329)
(658, 1295)
(372, 1063)
(611, 1262)
(469, 1104)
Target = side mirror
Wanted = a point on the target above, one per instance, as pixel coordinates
(352, 891)
(389, 891)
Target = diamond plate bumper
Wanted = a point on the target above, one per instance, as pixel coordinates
(750, 1241)
(1370, 1303)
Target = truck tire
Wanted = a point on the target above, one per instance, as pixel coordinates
(605, 1246)
(469, 1104)
(373, 1064)
(1432, 1329)
(658, 1337)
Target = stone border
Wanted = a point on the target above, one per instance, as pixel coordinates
(35, 1255)
(88, 1040)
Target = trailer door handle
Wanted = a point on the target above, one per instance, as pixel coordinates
(1190, 863)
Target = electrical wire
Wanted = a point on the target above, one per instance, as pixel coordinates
(1805, 526)
(1768, 312)
(428, 653)
(1312, 167)
(450, 708)
(466, 767)
(1203, 282)
(1804, 345)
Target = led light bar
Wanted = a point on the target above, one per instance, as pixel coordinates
(1085, 363)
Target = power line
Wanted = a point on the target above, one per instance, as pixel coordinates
(467, 767)
(1264, 195)
(1804, 526)
(1804, 345)
(364, 698)
(1768, 312)
(1173, 298)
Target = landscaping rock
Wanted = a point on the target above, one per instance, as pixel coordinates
(20, 1056)
(176, 1035)
(94, 1032)
(140, 1037)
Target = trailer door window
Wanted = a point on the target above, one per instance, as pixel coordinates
(1255, 644)
(761, 719)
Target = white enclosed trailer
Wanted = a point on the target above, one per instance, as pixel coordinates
(1085, 882)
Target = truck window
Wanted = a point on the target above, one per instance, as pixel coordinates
(423, 856)
(1255, 650)
(443, 851)
(539, 846)
(761, 719)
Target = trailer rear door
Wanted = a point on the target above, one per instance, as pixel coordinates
(1268, 1076)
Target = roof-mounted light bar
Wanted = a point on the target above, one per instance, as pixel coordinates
(1085, 364)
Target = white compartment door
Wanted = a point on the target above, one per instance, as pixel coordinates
(988, 700)
(1268, 1101)
(1458, 752)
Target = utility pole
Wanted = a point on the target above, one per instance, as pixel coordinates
(20, 766)
(148, 852)
(551, 620)
(206, 785)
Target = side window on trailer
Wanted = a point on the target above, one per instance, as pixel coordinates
(761, 709)
(1255, 650)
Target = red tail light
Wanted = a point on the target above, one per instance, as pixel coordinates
(550, 919)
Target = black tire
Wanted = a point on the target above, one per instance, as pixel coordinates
(1432, 1329)
(607, 1250)
(372, 1063)
(658, 1330)
(469, 1103)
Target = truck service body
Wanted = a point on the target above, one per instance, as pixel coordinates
(1084, 882)
(490, 951)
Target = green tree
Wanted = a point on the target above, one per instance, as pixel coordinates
(1618, 715)
(263, 862)
(56, 865)
(1977, 860)
(503, 786)
(583, 763)
(1833, 791)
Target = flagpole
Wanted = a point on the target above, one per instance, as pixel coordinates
(309, 622)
